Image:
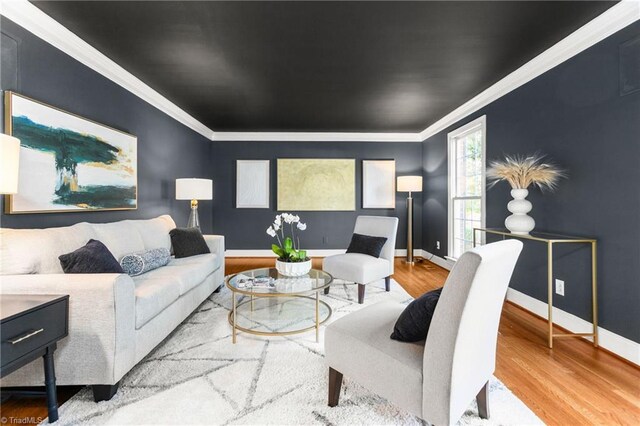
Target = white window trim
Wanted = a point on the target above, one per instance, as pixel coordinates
(451, 137)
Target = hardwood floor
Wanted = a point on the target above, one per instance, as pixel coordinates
(573, 384)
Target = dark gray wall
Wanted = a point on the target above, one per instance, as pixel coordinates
(575, 114)
(166, 148)
(245, 228)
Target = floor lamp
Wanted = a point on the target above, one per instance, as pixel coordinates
(9, 161)
(194, 190)
(410, 184)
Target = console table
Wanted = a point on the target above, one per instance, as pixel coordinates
(31, 326)
(550, 240)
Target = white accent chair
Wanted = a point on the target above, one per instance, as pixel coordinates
(363, 269)
(435, 380)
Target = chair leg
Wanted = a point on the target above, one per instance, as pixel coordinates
(326, 290)
(361, 293)
(387, 283)
(483, 401)
(335, 384)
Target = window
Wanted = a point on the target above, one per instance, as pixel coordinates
(466, 185)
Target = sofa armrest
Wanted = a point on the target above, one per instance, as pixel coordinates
(100, 347)
(216, 244)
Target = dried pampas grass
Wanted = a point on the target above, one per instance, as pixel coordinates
(523, 171)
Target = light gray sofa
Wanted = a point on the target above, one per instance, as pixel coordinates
(114, 320)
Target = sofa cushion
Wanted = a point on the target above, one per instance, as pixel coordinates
(121, 238)
(356, 267)
(92, 258)
(188, 242)
(36, 251)
(155, 232)
(154, 295)
(139, 263)
(188, 272)
(364, 336)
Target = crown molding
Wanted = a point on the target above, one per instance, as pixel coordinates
(316, 137)
(48, 29)
(611, 21)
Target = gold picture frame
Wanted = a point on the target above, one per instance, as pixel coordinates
(313, 184)
(69, 163)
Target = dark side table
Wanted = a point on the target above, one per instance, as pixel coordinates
(31, 326)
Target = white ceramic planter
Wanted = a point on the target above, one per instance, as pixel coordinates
(293, 269)
(519, 222)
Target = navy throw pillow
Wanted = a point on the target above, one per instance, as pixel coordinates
(366, 244)
(413, 323)
(188, 242)
(92, 258)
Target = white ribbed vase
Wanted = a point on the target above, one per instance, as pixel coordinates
(293, 269)
(519, 222)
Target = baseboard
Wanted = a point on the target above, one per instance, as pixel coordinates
(442, 262)
(621, 346)
(311, 253)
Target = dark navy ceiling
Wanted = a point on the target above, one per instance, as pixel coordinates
(321, 66)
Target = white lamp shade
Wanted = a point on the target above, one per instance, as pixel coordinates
(9, 161)
(194, 189)
(409, 183)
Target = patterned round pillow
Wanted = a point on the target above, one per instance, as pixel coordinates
(141, 262)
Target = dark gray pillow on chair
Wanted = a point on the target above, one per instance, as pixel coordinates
(188, 242)
(413, 323)
(366, 244)
(92, 258)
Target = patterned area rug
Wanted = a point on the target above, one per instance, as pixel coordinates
(197, 376)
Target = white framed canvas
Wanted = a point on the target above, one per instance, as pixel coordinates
(378, 184)
(252, 184)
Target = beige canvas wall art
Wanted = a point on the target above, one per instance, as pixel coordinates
(316, 184)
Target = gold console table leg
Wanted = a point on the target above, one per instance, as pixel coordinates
(550, 290)
(594, 290)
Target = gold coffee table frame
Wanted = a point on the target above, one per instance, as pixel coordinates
(550, 240)
(253, 294)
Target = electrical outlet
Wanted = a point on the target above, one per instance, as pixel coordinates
(437, 245)
(560, 287)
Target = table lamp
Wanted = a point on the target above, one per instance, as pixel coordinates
(409, 184)
(194, 190)
(9, 161)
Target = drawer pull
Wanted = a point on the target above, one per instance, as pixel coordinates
(26, 336)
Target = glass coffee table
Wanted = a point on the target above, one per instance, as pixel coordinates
(271, 304)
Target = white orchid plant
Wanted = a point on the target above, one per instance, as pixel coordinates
(288, 247)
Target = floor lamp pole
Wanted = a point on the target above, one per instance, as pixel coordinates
(410, 229)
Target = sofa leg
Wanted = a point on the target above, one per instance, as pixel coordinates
(483, 401)
(217, 290)
(326, 290)
(104, 392)
(335, 384)
(387, 283)
(361, 293)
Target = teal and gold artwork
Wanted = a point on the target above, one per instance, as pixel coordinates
(69, 163)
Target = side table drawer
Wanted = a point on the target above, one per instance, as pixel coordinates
(33, 330)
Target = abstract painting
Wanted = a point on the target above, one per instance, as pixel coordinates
(252, 184)
(316, 184)
(378, 184)
(69, 163)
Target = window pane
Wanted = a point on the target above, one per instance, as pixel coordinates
(467, 215)
(468, 166)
